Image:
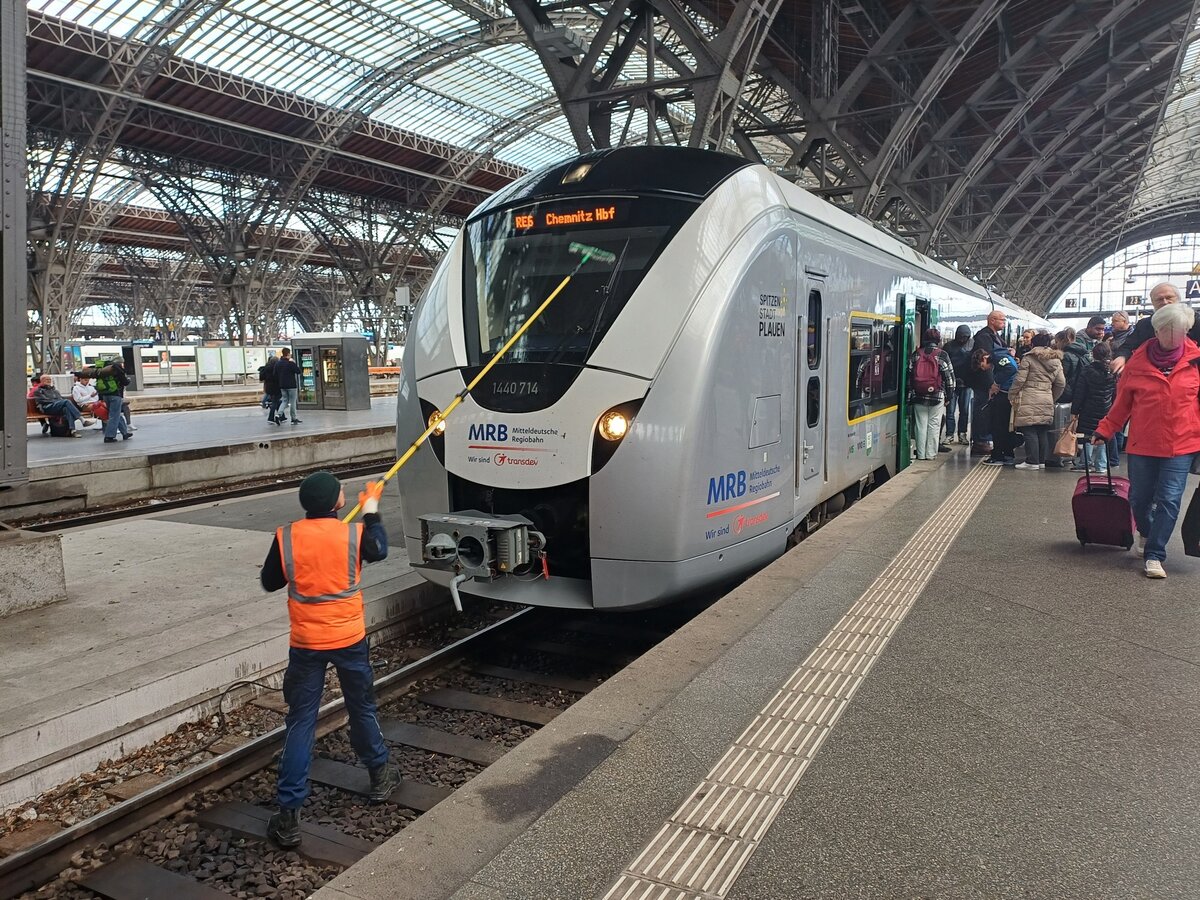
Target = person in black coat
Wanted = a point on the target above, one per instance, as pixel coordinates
(989, 339)
(1095, 388)
(959, 351)
(270, 383)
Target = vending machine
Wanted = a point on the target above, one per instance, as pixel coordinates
(333, 371)
(309, 395)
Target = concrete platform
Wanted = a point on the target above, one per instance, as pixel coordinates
(182, 452)
(162, 613)
(1023, 724)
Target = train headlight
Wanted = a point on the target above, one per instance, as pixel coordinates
(437, 423)
(613, 425)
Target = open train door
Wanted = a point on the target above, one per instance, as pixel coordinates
(917, 315)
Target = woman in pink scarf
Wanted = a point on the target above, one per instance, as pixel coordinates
(1159, 395)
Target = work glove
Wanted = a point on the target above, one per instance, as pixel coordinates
(369, 499)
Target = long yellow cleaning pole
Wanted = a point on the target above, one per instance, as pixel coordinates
(589, 252)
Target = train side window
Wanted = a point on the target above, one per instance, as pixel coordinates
(860, 389)
(814, 330)
(813, 403)
(887, 338)
(874, 367)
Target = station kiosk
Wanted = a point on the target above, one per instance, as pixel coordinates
(333, 371)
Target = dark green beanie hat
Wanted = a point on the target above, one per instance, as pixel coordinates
(319, 492)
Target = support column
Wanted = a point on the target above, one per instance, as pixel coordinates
(13, 278)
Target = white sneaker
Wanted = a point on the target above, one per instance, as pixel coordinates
(1139, 546)
(132, 427)
(1154, 569)
(1026, 465)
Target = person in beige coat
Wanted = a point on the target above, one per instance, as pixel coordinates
(1039, 382)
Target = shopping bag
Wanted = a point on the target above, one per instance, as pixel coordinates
(1065, 445)
(1191, 526)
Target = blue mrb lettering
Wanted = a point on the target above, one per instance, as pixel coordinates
(489, 432)
(727, 487)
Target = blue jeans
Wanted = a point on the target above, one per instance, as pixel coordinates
(1156, 486)
(64, 408)
(116, 421)
(303, 684)
(1097, 457)
(960, 402)
(289, 401)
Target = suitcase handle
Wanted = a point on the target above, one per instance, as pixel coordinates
(1087, 473)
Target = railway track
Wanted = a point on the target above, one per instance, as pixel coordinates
(244, 489)
(451, 712)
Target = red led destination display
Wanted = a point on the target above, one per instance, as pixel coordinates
(567, 216)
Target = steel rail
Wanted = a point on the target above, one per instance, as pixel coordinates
(356, 470)
(41, 862)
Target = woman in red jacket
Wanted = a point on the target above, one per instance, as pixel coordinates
(1159, 395)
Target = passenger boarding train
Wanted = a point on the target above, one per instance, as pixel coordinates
(724, 358)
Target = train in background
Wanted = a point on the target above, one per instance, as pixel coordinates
(175, 364)
(724, 361)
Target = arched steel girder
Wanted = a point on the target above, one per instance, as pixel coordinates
(1094, 157)
(912, 118)
(1059, 64)
(1080, 126)
(1101, 215)
(588, 90)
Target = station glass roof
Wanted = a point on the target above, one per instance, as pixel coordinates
(1171, 174)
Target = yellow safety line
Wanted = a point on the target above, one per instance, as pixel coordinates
(416, 445)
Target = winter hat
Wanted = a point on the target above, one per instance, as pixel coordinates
(1171, 323)
(319, 492)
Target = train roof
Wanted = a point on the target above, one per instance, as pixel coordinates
(697, 173)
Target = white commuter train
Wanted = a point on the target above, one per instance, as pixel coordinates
(726, 359)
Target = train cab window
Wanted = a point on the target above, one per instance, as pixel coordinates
(593, 251)
(874, 367)
(814, 330)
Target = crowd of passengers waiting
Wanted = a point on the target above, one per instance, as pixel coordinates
(89, 404)
(1120, 389)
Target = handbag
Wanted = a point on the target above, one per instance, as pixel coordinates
(100, 410)
(1065, 445)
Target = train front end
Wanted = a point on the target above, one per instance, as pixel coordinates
(508, 500)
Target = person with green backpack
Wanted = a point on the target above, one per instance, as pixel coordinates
(111, 382)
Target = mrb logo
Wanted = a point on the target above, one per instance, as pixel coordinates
(727, 487)
(489, 432)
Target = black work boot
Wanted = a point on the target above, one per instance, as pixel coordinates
(384, 780)
(284, 828)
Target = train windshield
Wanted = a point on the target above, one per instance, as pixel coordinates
(514, 259)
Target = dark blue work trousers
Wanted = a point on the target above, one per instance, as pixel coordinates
(303, 684)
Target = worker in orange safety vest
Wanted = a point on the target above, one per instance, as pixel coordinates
(319, 559)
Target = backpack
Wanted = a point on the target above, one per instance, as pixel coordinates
(927, 379)
(105, 384)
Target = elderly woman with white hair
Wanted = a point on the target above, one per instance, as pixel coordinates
(1159, 395)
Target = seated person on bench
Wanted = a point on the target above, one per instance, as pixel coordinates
(35, 381)
(83, 393)
(53, 403)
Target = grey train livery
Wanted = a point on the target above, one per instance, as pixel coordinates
(722, 361)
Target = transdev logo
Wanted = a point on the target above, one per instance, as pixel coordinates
(503, 459)
(748, 522)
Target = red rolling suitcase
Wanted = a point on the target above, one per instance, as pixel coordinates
(1102, 511)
